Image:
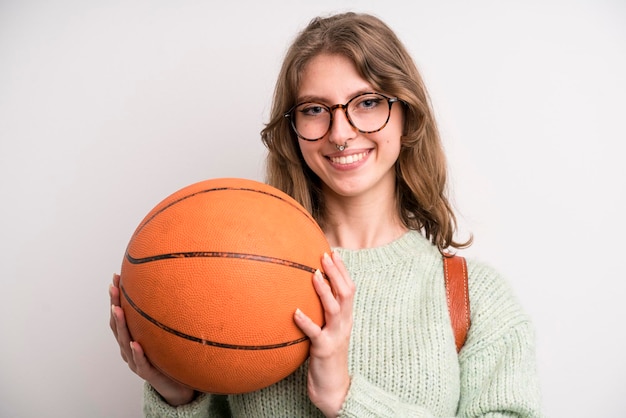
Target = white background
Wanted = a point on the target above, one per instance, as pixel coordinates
(106, 107)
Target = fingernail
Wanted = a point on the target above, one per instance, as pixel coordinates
(132, 348)
(318, 275)
(327, 258)
(113, 312)
(298, 312)
(336, 255)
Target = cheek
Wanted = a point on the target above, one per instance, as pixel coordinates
(395, 126)
(394, 136)
(397, 113)
(309, 152)
(396, 146)
(393, 145)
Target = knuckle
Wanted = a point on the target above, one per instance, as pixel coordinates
(352, 287)
(346, 292)
(333, 309)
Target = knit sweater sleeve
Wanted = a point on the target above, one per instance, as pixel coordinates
(204, 406)
(497, 364)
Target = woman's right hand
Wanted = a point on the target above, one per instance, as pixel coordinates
(172, 392)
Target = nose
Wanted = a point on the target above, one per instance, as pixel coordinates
(341, 130)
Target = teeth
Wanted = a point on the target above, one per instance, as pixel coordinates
(349, 159)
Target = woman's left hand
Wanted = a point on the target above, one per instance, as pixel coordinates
(328, 379)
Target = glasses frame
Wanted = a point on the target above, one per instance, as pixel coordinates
(331, 112)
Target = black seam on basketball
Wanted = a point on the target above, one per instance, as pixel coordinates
(207, 342)
(220, 254)
(216, 189)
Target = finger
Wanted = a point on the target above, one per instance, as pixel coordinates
(114, 295)
(111, 316)
(306, 324)
(112, 322)
(338, 261)
(326, 295)
(116, 280)
(142, 365)
(338, 314)
(114, 298)
(114, 290)
(342, 285)
(121, 333)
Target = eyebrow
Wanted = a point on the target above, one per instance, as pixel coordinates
(320, 99)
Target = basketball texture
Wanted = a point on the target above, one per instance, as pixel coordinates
(211, 279)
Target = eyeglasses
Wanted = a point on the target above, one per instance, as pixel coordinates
(366, 112)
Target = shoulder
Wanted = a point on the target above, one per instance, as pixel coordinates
(487, 285)
(495, 310)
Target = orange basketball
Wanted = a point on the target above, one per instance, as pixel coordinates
(211, 279)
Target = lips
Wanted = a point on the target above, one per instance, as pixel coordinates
(348, 159)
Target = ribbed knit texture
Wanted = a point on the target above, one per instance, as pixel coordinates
(403, 359)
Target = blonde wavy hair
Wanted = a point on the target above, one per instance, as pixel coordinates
(383, 61)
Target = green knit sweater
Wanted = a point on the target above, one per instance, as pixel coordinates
(403, 359)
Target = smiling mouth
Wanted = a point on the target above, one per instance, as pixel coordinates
(348, 159)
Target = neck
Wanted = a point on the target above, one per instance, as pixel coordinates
(362, 221)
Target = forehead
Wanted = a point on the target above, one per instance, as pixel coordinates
(332, 78)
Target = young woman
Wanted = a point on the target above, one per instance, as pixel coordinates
(352, 137)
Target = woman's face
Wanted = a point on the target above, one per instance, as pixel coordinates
(366, 165)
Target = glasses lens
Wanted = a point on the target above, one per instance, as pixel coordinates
(368, 112)
(311, 120)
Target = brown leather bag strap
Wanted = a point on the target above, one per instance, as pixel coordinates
(455, 273)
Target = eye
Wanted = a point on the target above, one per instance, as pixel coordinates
(368, 102)
(312, 109)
